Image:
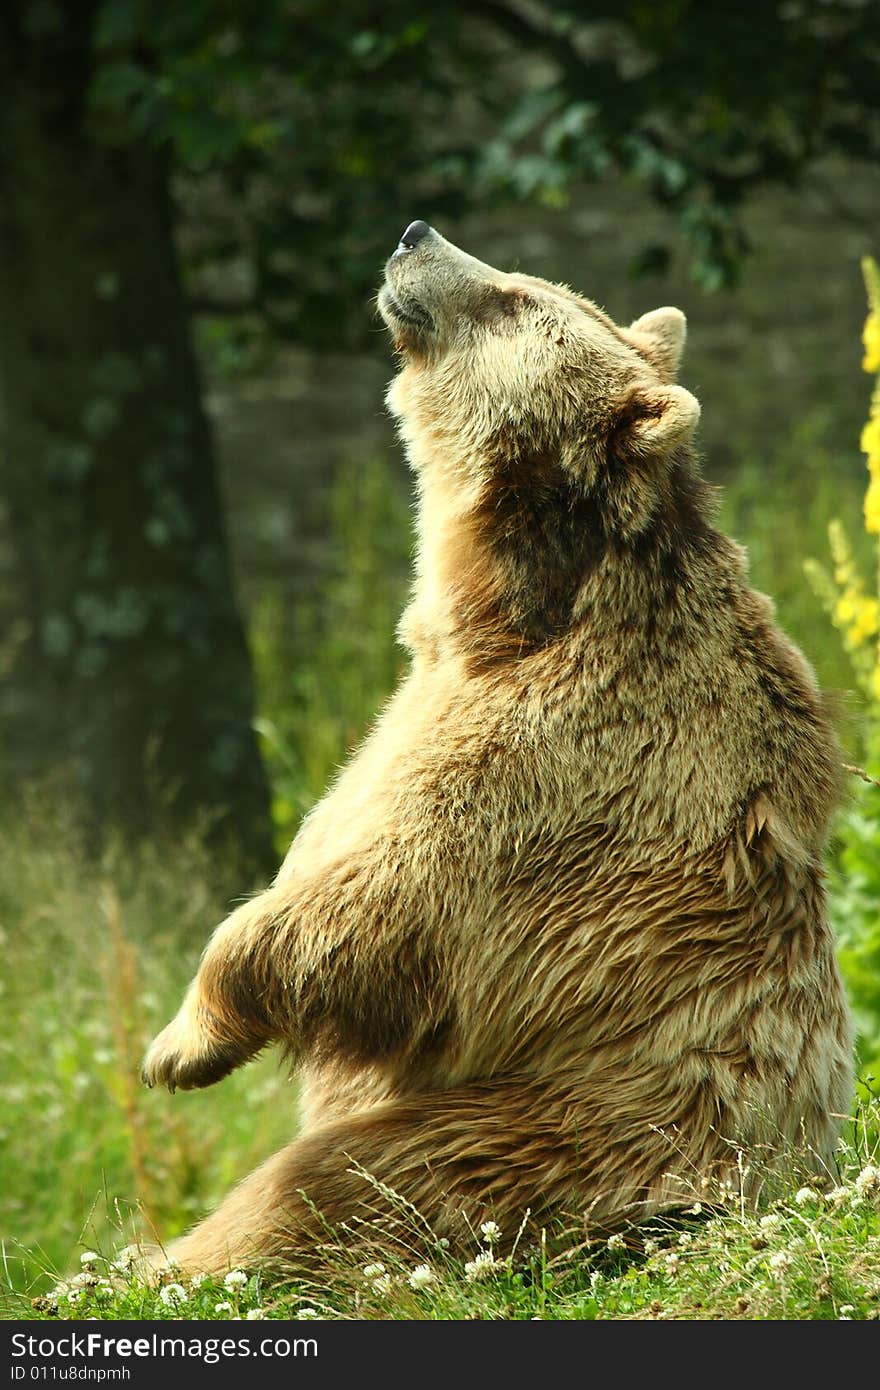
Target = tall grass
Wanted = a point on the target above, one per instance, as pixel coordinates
(325, 666)
(779, 505)
(850, 591)
(96, 958)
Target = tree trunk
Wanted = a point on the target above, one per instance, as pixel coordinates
(125, 663)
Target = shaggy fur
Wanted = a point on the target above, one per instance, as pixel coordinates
(556, 939)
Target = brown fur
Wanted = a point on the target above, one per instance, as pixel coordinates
(556, 939)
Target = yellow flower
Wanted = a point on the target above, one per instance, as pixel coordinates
(870, 440)
(854, 605)
(846, 609)
(872, 507)
(865, 622)
(871, 339)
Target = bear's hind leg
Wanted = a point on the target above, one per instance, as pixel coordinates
(492, 1149)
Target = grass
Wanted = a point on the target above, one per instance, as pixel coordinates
(96, 960)
(779, 505)
(325, 665)
(810, 1254)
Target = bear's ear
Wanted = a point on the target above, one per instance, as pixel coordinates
(663, 333)
(655, 418)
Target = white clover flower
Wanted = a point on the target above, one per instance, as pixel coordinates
(845, 1312)
(806, 1194)
(124, 1261)
(306, 1313)
(85, 1280)
(172, 1295)
(868, 1180)
(255, 1315)
(491, 1232)
(779, 1262)
(685, 1238)
(382, 1283)
(421, 1277)
(171, 1265)
(482, 1267)
(197, 1280)
(695, 1209)
(373, 1271)
(650, 1247)
(235, 1279)
(616, 1242)
(104, 1292)
(770, 1221)
(672, 1262)
(74, 1295)
(839, 1195)
(222, 1307)
(595, 1279)
(89, 1259)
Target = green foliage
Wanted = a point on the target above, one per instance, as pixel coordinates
(680, 95)
(332, 126)
(779, 505)
(851, 594)
(855, 905)
(326, 663)
(294, 129)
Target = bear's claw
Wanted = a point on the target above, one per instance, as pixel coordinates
(177, 1059)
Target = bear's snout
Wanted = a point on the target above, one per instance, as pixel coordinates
(414, 234)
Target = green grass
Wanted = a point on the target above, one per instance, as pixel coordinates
(325, 665)
(810, 1254)
(96, 958)
(779, 505)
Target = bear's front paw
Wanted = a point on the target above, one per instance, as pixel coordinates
(187, 1056)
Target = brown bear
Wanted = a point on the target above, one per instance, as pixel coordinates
(556, 939)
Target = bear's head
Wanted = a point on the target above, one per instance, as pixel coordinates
(546, 430)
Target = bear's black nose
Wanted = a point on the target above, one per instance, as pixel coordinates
(415, 232)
